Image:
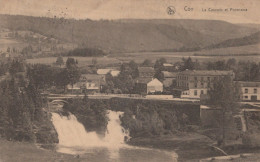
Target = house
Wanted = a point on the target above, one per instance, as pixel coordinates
(103, 71)
(89, 83)
(169, 77)
(76, 88)
(194, 84)
(92, 83)
(250, 91)
(168, 67)
(146, 72)
(154, 86)
(148, 85)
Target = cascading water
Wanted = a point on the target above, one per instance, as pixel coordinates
(74, 139)
(115, 134)
(72, 133)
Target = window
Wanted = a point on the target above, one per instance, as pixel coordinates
(246, 96)
(202, 84)
(201, 92)
(195, 93)
(246, 90)
(255, 90)
(187, 84)
(195, 85)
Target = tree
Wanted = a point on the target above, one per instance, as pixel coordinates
(159, 64)
(60, 61)
(147, 62)
(62, 79)
(8, 49)
(159, 75)
(72, 71)
(94, 61)
(225, 94)
(188, 64)
(16, 66)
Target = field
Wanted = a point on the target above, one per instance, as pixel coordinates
(173, 57)
(82, 61)
(7, 42)
(139, 57)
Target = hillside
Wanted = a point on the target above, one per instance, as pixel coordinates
(244, 41)
(129, 35)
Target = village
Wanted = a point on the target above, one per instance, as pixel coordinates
(164, 82)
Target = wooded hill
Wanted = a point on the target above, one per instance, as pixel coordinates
(130, 34)
(247, 40)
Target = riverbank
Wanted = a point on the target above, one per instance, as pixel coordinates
(188, 146)
(196, 147)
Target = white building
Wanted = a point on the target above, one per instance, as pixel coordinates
(250, 91)
(154, 86)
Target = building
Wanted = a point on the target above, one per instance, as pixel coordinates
(168, 67)
(250, 91)
(148, 85)
(169, 77)
(92, 83)
(146, 72)
(89, 83)
(194, 84)
(103, 71)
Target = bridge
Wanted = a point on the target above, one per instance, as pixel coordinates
(65, 97)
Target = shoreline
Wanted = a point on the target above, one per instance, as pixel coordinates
(191, 146)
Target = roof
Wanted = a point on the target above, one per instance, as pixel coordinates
(167, 64)
(145, 69)
(115, 73)
(143, 80)
(249, 84)
(206, 72)
(103, 71)
(92, 78)
(155, 82)
(168, 74)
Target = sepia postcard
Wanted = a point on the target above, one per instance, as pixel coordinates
(129, 80)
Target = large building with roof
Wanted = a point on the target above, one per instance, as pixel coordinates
(196, 83)
(250, 91)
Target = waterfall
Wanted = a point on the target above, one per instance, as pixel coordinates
(74, 139)
(115, 134)
(72, 133)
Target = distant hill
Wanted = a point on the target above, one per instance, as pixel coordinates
(244, 41)
(256, 26)
(130, 35)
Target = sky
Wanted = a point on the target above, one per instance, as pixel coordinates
(136, 9)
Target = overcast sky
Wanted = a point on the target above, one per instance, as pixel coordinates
(142, 9)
